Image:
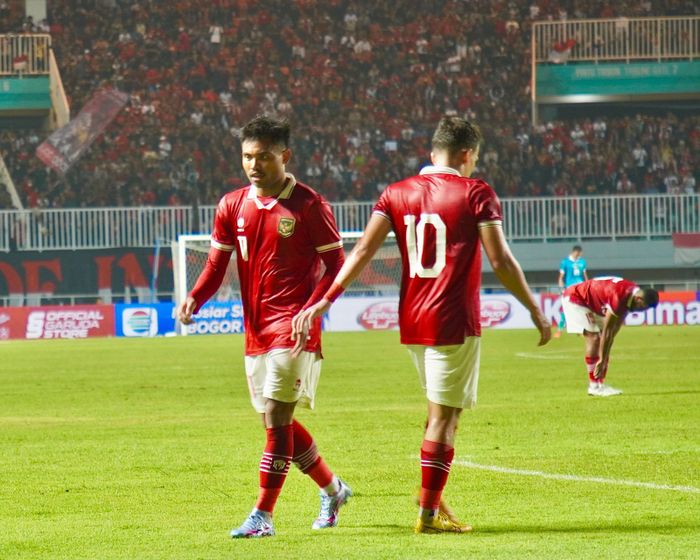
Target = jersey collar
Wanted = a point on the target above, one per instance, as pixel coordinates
(285, 194)
(432, 169)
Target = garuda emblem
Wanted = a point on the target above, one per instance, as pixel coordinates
(286, 226)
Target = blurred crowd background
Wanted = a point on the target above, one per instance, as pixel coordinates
(363, 84)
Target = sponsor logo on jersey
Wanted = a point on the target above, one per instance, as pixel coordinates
(286, 226)
(380, 316)
(140, 322)
(494, 312)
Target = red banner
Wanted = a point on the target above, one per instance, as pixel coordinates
(65, 146)
(55, 321)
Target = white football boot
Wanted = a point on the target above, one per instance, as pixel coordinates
(330, 505)
(596, 389)
(256, 526)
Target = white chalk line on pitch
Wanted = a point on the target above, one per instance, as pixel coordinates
(565, 356)
(547, 356)
(576, 478)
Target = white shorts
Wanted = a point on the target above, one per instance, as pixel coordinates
(276, 375)
(449, 374)
(579, 318)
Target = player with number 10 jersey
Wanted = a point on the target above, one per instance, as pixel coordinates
(436, 217)
(440, 218)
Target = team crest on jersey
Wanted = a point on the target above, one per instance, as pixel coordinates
(286, 226)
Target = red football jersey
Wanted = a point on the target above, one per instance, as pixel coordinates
(436, 217)
(601, 294)
(277, 243)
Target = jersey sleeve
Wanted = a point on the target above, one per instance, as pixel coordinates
(562, 266)
(486, 206)
(223, 236)
(383, 207)
(321, 227)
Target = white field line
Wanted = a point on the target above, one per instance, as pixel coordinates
(566, 356)
(547, 356)
(576, 478)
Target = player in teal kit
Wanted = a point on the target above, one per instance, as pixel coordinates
(572, 271)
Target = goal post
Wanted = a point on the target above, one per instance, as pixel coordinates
(381, 277)
(189, 258)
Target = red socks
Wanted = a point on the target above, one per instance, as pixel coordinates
(590, 366)
(435, 461)
(284, 445)
(307, 459)
(274, 466)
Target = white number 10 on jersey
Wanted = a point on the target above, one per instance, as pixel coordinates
(415, 245)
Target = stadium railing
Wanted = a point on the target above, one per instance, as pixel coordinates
(618, 39)
(25, 54)
(525, 219)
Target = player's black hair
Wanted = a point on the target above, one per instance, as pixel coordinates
(651, 297)
(267, 129)
(577, 248)
(454, 134)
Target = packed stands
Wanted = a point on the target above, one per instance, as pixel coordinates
(363, 84)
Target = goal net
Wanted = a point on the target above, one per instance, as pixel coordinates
(381, 277)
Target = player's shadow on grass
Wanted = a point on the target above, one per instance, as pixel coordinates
(587, 528)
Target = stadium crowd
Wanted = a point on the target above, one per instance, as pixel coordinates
(362, 83)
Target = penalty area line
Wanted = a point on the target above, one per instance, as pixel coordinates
(576, 478)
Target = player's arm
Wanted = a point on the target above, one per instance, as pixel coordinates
(561, 280)
(510, 274)
(611, 326)
(585, 275)
(376, 231)
(333, 261)
(208, 282)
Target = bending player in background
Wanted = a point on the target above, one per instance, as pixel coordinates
(440, 218)
(572, 271)
(597, 309)
(281, 230)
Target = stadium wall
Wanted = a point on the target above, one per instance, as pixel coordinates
(34, 277)
(31, 276)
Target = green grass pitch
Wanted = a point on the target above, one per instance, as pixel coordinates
(148, 449)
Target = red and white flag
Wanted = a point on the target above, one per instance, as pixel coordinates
(20, 62)
(561, 51)
(686, 248)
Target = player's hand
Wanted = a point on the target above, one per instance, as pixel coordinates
(543, 325)
(301, 324)
(601, 368)
(185, 311)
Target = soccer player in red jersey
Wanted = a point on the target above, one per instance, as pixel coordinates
(441, 218)
(597, 309)
(281, 230)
